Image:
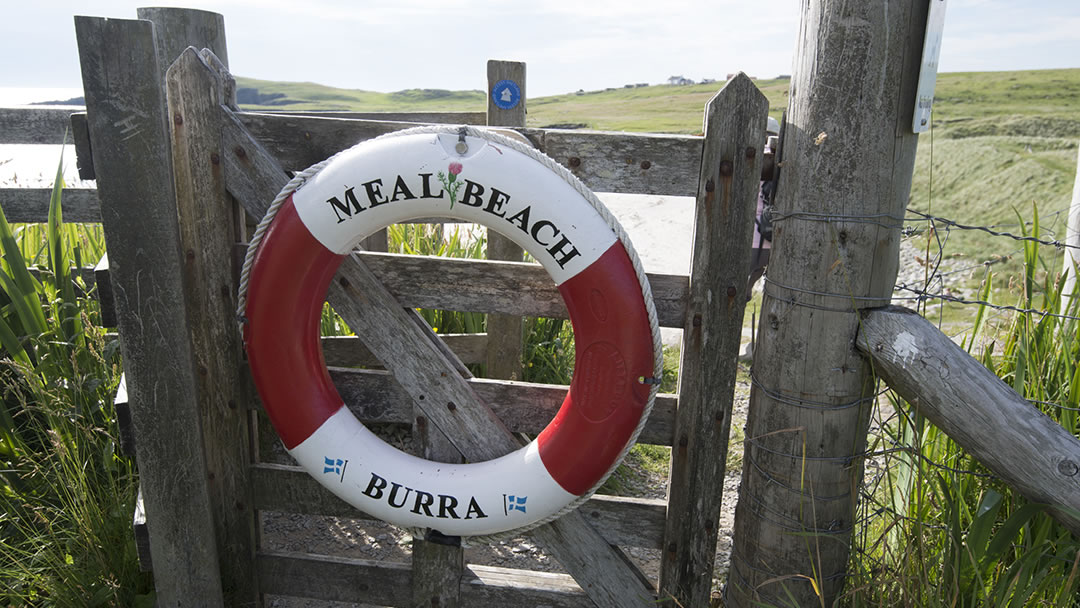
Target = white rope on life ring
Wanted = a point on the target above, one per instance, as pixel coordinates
(474, 176)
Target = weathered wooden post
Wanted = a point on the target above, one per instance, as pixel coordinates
(127, 122)
(505, 108)
(1026, 448)
(198, 86)
(727, 192)
(848, 158)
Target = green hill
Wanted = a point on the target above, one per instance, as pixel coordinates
(1002, 141)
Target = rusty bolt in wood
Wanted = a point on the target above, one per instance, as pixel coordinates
(575, 162)
(726, 168)
(645, 164)
(751, 152)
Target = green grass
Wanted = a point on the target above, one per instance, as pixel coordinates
(66, 491)
(1001, 140)
(938, 530)
(311, 96)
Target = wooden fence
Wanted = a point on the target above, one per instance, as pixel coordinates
(181, 174)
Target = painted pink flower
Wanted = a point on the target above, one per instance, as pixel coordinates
(455, 168)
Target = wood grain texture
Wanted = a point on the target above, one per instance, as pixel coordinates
(104, 292)
(724, 220)
(385, 583)
(124, 426)
(196, 87)
(349, 351)
(175, 29)
(127, 122)
(848, 151)
(31, 205)
(502, 287)
(505, 339)
(374, 397)
(1024, 447)
(438, 561)
(632, 163)
(84, 156)
(627, 522)
(40, 125)
(605, 161)
(434, 383)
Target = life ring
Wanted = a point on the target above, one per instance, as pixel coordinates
(473, 176)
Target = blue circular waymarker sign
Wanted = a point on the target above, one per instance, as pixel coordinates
(506, 94)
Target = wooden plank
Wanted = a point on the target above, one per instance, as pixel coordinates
(35, 125)
(810, 403)
(106, 299)
(349, 351)
(631, 163)
(399, 342)
(505, 105)
(724, 221)
(1024, 447)
(142, 535)
(122, 405)
(84, 156)
(175, 29)
(197, 89)
(337, 579)
(523, 407)
(491, 586)
(607, 162)
(127, 122)
(31, 205)
(501, 287)
(298, 142)
(439, 118)
(623, 521)
(437, 560)
(504, 331)
(387, 583)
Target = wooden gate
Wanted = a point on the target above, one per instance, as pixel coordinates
(181, 175)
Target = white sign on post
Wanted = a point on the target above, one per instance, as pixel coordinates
(924, 96)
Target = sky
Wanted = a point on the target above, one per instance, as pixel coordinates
(389, 45)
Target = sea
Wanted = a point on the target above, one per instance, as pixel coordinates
(34, 166)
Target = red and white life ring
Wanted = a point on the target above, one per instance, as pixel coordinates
(473, 176)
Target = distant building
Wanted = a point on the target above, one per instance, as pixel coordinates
(707, 80)
(679, 81)
(641, 84)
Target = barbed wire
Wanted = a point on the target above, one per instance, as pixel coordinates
(954, 224)
(925, 295)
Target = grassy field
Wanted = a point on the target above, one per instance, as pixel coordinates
(1003, 142)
